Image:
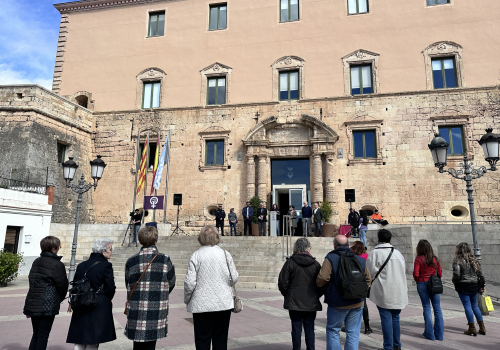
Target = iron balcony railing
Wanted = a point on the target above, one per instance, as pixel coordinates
(18, 185)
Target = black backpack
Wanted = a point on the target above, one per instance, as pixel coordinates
(81, 295)
(352, 282)
(434, 284)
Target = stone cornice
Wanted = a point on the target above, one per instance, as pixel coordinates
(90, 5)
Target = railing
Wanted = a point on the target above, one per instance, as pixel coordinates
(18, 185)
(287, 236)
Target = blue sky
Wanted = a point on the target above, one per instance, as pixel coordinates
(28, 40)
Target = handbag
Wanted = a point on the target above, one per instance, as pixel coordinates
(81, 295)
(486, 303)
(434, 285)
(238, 304)
(380, 270)
(135, 285)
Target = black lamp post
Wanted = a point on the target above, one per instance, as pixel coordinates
(490, 143)
(69, 168)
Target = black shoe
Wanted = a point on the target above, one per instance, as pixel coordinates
(396, 348)
(342, 329)
(368, 330)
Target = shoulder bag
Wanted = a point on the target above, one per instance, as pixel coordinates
(434, 285)
(81, 295)
(238, 304)
(135, 285)
(380, 270)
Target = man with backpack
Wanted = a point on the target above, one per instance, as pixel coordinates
(347, 280)
(353, 220)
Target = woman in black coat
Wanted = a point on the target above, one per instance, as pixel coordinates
(297, 283)
(48, 286)
(89, 328)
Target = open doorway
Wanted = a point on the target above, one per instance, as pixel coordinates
(286, 195)
(11, 243)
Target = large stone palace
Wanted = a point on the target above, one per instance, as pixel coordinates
(288, 100)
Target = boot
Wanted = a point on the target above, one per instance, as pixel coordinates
(482, 330)
(368, 330)
(471, 330)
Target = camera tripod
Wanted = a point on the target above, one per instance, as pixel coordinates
(177, 228)
(130, 227)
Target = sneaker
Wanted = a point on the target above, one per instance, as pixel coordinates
(368, 330)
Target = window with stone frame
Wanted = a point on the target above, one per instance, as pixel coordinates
(454, 135)
(216, 91)
(214, 152)
(361, 79)
(156, 26)
(437, 2)
(289, 85)
(215, 84)
(288, 78)
(443, 65)
(364, 144)
(151, 153)
(214, 142)
(444, 73)
(61, 152)
(361, 73)
(218, 17)
(289, 10)
(365, 140)
(151, 94)
(149, 88)
(355, 7)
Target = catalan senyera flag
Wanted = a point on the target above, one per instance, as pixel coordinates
(155, 166)
(142, 168)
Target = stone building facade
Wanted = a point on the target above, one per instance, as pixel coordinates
(106, 59)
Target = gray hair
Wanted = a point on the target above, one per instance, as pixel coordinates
(101, 244)
(301, 245)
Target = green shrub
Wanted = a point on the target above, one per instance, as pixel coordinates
(9, 266)
(326, 208)
(255, 204)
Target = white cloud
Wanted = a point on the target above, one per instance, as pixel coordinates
(10, 77)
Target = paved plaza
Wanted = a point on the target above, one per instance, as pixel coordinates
(262, 325)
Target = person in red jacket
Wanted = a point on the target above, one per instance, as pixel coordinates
(426, 265)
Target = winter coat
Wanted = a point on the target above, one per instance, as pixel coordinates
(95, 326)
(232, 217)
(147, 312)
(318, 215)
(48, 286)
(207, 285)
(465, 278)
(422, 272)
(294, 217)
(297, 283)
(389, 290)
(262, 212)
(250, 213)
(220, 214)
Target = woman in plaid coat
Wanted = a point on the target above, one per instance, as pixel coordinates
(147, 310)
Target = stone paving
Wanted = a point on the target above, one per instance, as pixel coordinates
(262, 325)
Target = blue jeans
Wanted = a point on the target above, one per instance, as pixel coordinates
(427, 299)
(136, 233)
(298, 319)
(471, 308)
(334, 319)
(362, 235)
(390, 327)
(317, 229)
(231, 226)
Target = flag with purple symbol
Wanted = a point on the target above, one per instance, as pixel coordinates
(161, 163)
(153, 202)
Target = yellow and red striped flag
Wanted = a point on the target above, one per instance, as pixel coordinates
(142, 168)
(155, 166)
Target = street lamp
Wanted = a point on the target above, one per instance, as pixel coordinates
(490, 143)
(69, 168)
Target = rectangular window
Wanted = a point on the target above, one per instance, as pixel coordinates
(218, 17)
(61, 152)
(357, 6)
(289, 85)
(361, 80)
(216, 92)
(454, 136)
(151, 154)
(156, 24)
(437, 2)
(214, 152)
(364, 144)
(444, 73)
(151, 95)
(289, 10)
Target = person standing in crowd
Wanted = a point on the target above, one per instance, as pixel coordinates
(220, 215)
(469, 281)
(207, 291)
(276, 209)
(306, 219)
(358, 249)
(293, 219)
(318, 220)
(376, 217)
(426, 265)
(48, 285)
(297, 283)
(353, 220)
(147, 307)
(91, 327)
(363, 227)
(340, 310)
(233, 220)
(262, 218)
(136, 219)
(389, 289)
(247, 213)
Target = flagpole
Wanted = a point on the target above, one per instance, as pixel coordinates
(166, 180)
(145, 177)
(157, 150)
(137, 165)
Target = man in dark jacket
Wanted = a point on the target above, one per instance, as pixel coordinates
(306, 219)
(297, 283)
(220, 215)
(353, 220)
(262, 220)
(247, 213)
(340, 310)
(318, 220)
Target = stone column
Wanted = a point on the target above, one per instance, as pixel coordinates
(330, 181)
(317, 178)
(262, 178)
(250, 177)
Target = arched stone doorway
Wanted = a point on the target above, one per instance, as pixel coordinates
(294, 138)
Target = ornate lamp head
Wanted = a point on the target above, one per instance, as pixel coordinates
(490, 143)
(439, 151)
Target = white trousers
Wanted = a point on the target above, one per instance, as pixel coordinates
(86, 347)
